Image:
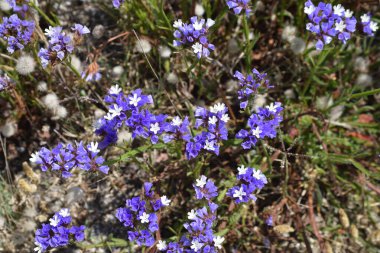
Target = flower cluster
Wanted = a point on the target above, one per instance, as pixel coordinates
(262, 124)
(194, 34)
(65, 158)
(16, 32)
(238, 6)
(251, 180)
(57, 233)
(5, 82)
(60, 44)
(250, 85)
(328, 22)
(129, 111)
(20, 6)
(200, 235)
(369, 26)
(139, 216)
(213, 123)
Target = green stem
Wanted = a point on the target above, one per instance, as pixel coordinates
(365, 93)
(51, 22)
(71, 67)
(248, 43)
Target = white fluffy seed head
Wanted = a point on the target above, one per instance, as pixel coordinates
(336, 112)
(172, 78)
(76, 63)
(42, 86)
(60, 112)
(98, 31)
(117, 71)
(259, 101)
(361, 64)
(51, 101)
(124, 136)
(364, 80)
(9, 129)
(25, 65)
(164, 51)
(199, 10)
(289, 94)
(324, 102)
(4, 5)
(143, 46)
(297, 45)
(289, 33)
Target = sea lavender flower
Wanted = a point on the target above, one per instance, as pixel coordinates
(92, 73)
(19, 6)
(194, 34)
(139, 216)
(269, 221)
(60, 44)
(5, 82)
(65, 158)
(57, 232)
(251, 180)
(329, 21)
(239, 5)
(262, 124)
(117, 3)
(178, 129)
(250, 85)
(369, 26)
(16, 32)
(205, 188)
(214, 124)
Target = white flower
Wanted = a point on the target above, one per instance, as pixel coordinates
(309, 10)
(64, 212)
(25, 65)
(373, 26)
(239, 193)
(161, 245)
(218, 240)
(54, 221)
(242, 170)
(256, 132)
(165, 201)
(192, 215)
(144, 218)
(115, 90)
(94, 147)
(328, 39)
(199, 10)
(338, 10)
(256, 174)
(212, 120)
(35, 157)
(348, 13)
(178, 23)
(197, 48)
(365, 18)
(219, 107)
(198, 24)
(201, 181)
(134, 100)
(209, 145)
(340, 26)
(49, 31)
(109, 116)
(225, 118)
(38, 247)
(155, 128)
(209, 22)
(196, 245)
(176, 121)
(273, 107)
(115, 111)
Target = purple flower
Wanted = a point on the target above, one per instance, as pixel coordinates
(205, 188)
(16, 32)
(80, 29)
(369, 26)
(194, 34)
(262, 124)
(238, 6)
(117, 3)
(57, 232)
(250, 85)
(269, 221)
(19, 6)
(65, 158)
(328, 22)
(5, 82)
(251, 180)
(139, 216)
